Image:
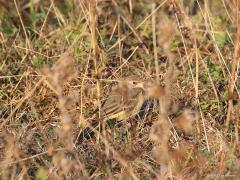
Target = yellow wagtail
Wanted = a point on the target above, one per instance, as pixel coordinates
(124, 101)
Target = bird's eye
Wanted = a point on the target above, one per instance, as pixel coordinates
(134, 82)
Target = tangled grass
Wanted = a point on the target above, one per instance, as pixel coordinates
(60, 59)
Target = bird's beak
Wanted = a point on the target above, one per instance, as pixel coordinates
(139, 85)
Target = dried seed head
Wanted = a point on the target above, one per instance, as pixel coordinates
(168, 30)
(160, 132)
(154, 90)
(62, 71)
(185, 121)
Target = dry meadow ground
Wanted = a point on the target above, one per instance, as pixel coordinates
(59, 60)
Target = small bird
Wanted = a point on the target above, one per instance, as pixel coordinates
(124, 101)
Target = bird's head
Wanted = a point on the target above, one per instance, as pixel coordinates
(135, 82)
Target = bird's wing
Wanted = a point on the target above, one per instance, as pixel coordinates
(113, 107)
(124, 104)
